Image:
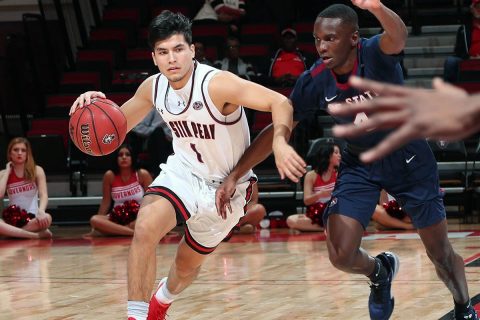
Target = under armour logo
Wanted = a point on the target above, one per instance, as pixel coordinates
(181, 103)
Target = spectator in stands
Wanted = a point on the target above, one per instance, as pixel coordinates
(125, 186)
(153, 135)
(26, 186)
(467, 43)
(288, 62)
(230, 11)
(317, 189)
(222, 11)
(200, 53)
(232, 61)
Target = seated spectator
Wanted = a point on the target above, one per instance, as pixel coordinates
(389, 215)
(317, 189)
(227, 11)
(232, 61)
(206, 12)
(288, 63)
(467, 43)
(153, 135)
(200, 53)
(125, 185)
(26, 186)
(253, 216)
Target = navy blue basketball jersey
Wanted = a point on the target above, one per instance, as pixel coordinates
(318, 87)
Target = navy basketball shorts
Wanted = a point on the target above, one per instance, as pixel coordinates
(409, 174)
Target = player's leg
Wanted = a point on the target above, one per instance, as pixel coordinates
(344, 249)
(102, 224)
(348, 214)
(183, 272)
(448, 265)
(156, 218)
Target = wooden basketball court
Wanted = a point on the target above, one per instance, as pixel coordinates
(272, 274)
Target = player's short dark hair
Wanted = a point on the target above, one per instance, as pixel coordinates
(167, 24)
(343, 12)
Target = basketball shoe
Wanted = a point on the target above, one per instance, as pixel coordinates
(156, 309)
(381, 301)
(471, 314)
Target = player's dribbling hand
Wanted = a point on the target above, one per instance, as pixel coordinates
(288, 162)
(85, 99)
(223, 194)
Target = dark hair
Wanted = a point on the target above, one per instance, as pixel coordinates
(343, 12)
(167, 24)
(322, 158)
(115, 167)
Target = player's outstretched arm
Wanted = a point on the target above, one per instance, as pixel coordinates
(444, 113)
(395, 33)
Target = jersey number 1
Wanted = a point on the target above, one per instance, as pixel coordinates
(194, 148)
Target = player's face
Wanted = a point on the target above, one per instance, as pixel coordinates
(335, 157)
(335, 42)
(124, 158)
(18, 153)
(174, 58)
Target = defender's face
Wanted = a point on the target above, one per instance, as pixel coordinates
(334, 41)
(174, 58)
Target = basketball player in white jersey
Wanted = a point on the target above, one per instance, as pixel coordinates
(203, 108)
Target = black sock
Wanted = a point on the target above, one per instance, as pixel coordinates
(462, 307)
(379, 273)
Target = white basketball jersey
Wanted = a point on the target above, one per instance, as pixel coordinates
(203, 139)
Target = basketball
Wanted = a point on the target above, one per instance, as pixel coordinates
(99, 128)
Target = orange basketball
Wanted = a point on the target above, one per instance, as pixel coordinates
(98, 128)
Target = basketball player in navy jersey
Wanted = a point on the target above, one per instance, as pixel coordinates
(342, 54)
(203, 108)
(444, 113)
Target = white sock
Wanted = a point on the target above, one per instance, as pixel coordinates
(137, 309)
(163, 295)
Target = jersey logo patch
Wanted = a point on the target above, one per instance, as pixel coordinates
(197, 105)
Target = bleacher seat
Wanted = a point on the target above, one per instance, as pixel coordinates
(453, 179)
(50, 127)
(259, 33)
(58, 105)
(78, 82)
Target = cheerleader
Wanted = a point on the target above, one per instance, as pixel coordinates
(26, 187)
